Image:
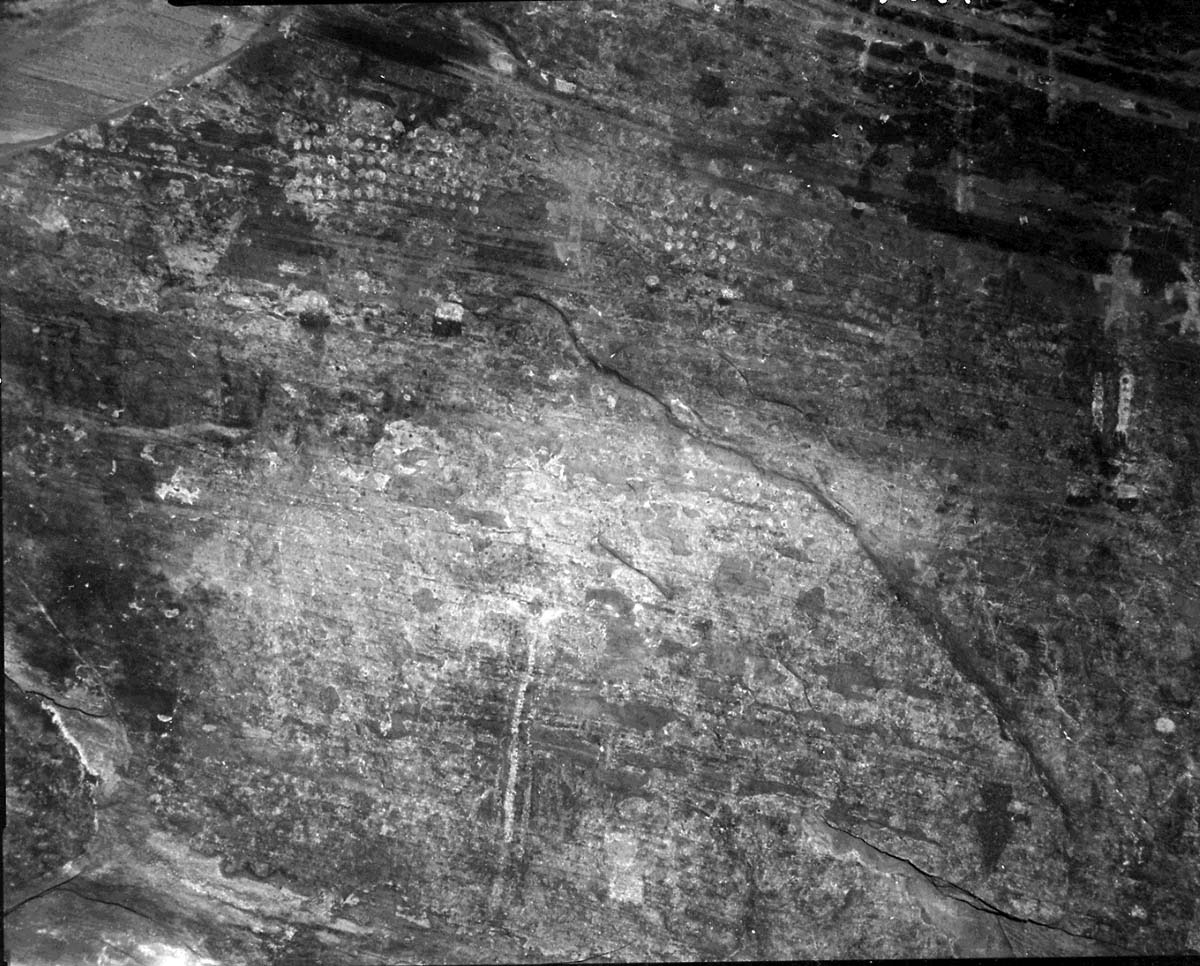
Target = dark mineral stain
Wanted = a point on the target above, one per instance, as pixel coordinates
(849, 679)
(615, 599)
(314, 320)
(145, 704)
(426, 42)
(329, 699)
(811, 601)
(792, 553)
(736, 575)
(1179, 811)
(640, 715)
(798, 127)
(488, 519)
(446, 328)
(710, 91)
(993, 823)
(622, 780)
(425, 601)
(623, 638)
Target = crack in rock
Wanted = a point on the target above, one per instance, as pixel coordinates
(952, 641)
(945, 901)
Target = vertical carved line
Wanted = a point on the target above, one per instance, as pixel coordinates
(514, 730)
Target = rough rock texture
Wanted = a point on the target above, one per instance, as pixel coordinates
(586, 480)
(68, 63)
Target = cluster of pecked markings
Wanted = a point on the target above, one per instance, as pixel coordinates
(384, 163)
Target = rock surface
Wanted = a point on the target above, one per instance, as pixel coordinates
(509, 482)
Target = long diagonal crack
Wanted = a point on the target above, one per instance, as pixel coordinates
(887, 862)
(127, 908)
(64, 885)
(43, 887)
(954, 643)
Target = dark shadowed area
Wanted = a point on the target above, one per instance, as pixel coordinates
(590, 481)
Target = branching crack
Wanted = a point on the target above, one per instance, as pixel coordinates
(132, 911)
(954, 891)
(757, 393)
(75, 652)
(787, 666)
(604, 368)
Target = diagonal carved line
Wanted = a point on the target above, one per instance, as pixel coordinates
(660, 585)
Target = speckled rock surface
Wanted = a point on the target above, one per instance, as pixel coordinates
(532, 482)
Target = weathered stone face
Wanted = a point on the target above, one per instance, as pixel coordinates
(531, 481)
